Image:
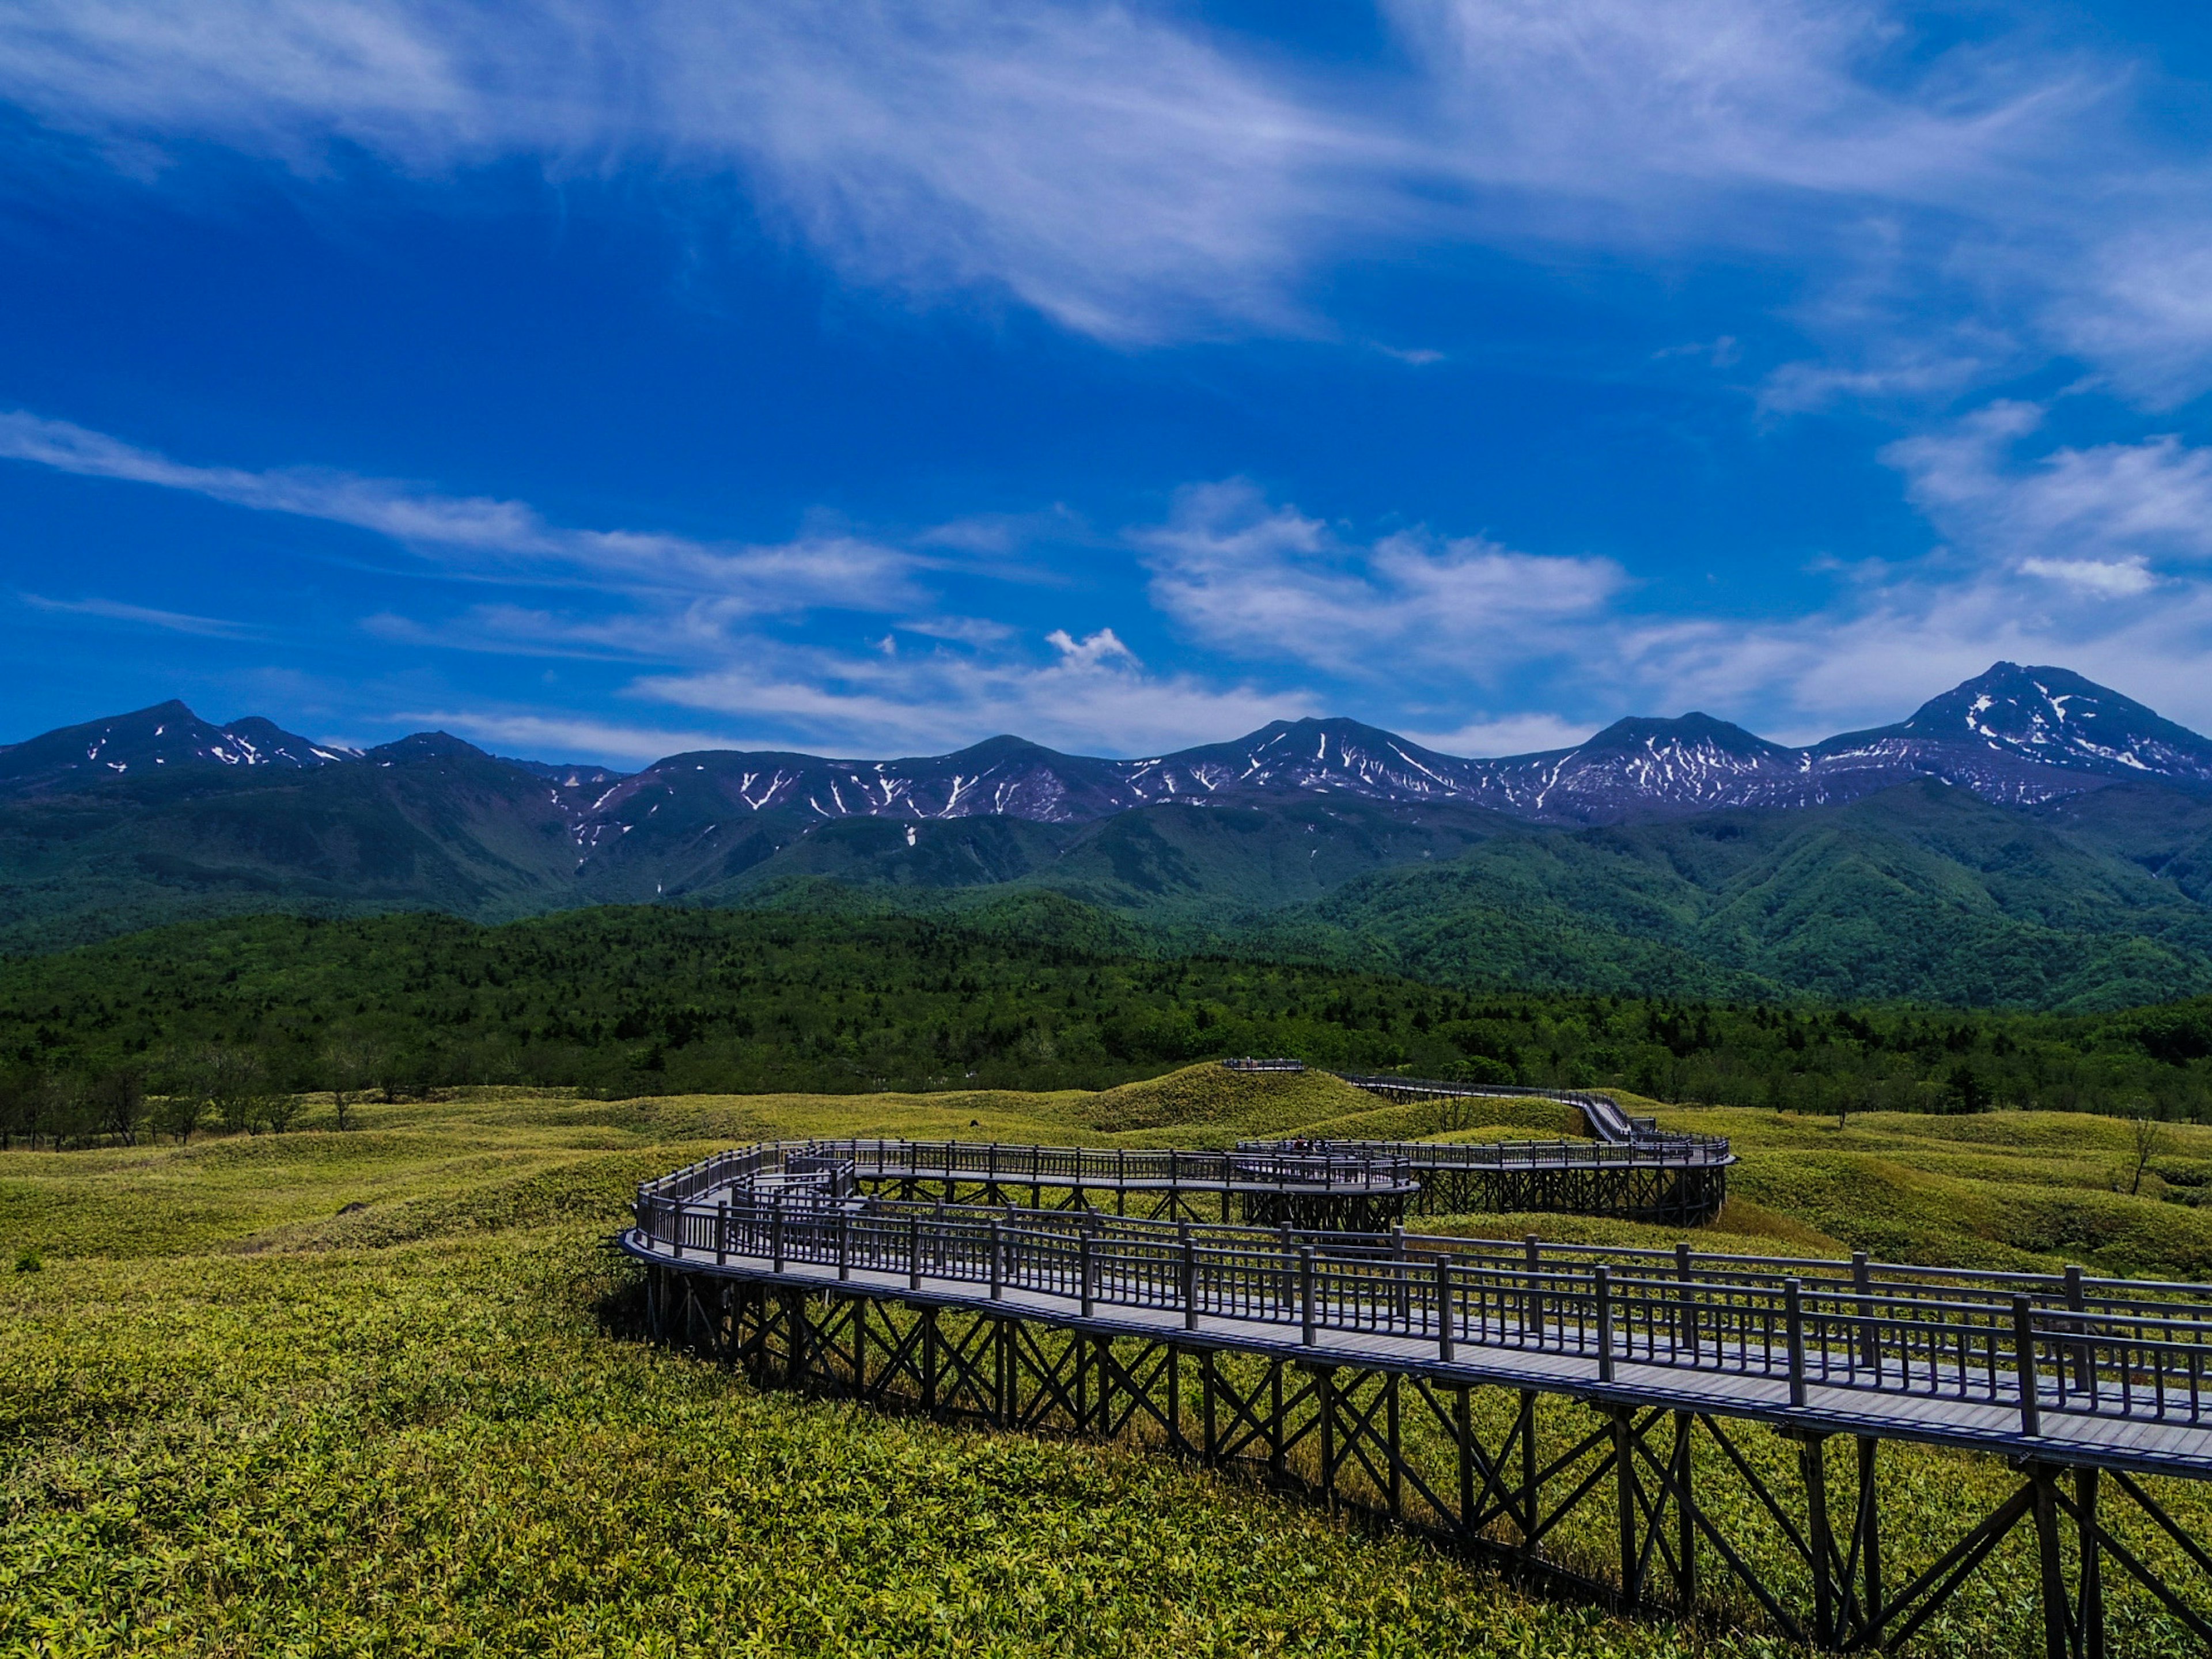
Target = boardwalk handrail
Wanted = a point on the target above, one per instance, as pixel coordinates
(1333, 1167)
(1609, 1122)
(2039, 1345)
(1691, 1151)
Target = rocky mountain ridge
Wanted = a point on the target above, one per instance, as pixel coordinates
(2014, 735)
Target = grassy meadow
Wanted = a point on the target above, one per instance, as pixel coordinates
(376, 1392)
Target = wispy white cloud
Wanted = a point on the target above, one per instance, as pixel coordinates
(839, 571)
(560, 737)
(141, 616)
(2117, 503)
(1139, 178)
(1530, 733)
(1250, 579)
(1087, 696)
(2112, 578)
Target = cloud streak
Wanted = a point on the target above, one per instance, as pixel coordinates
(1138, 178)
(837, 571)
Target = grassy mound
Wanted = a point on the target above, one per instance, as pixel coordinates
(1741, 1229)
(1211, 1105)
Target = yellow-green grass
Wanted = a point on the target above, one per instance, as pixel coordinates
(242, 1416)
(2000, 1190)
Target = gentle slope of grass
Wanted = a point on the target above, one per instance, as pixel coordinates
(244, 1417)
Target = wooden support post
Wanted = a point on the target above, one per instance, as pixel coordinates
(1463, 1437)
(1869, 1535)
(1686, 1518)
(929, 1361)
(861, 1307)
(1396, 1446)
(797, 1354)
(1211, 1452)
(722, 1233)
(1173, 1411)
(1625, 1503)
(1324, 1393)
(1087, 1270)
(1102, 1408)
(1812, 1465)
(844, 1244)
(2045, 1481)
(1007, 1404)
(1278, 1431)
(913, 1252)
(775, 1233)
(998, 1259)
(1532, 1513)
(2089, 1615)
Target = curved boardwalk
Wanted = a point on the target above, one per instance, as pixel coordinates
(1369, 1368)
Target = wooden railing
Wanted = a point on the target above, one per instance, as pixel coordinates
(2035, 1344)
(1337, 1167)
(1676, 1151)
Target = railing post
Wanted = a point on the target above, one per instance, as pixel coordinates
(723, 1232)
(1189, 1281)
(2078, 1304)
(1444, 1335)
(1601, 1297)
(776, 1236)
(1306, 1310)
(1793, 1304)
(1533, 1316)
(1685, 1309)
(1870, 1344)
(844, 1244)
(1087, 1269)
(2023, 1349)
(1405, 1289)
(913, 1252)
(998, 1260)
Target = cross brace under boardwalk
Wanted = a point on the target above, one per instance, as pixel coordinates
(1567, 1490)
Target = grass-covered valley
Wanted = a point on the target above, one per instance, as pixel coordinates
(382, 1390)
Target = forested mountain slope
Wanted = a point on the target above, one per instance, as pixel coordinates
(2029, 839)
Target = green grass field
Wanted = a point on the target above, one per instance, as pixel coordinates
(337, 1393)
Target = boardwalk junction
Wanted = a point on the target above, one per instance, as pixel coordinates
(1560, 1410)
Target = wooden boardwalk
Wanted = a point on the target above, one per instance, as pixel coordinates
(1032, 1316)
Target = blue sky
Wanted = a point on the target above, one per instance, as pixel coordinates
(600, 379)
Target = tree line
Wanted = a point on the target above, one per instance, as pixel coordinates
(223, 1023)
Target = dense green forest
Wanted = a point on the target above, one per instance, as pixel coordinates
(223, 1021)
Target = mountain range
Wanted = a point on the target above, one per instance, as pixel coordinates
(2029, 836)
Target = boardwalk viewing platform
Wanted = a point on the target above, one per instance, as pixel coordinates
(1260, 1335)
